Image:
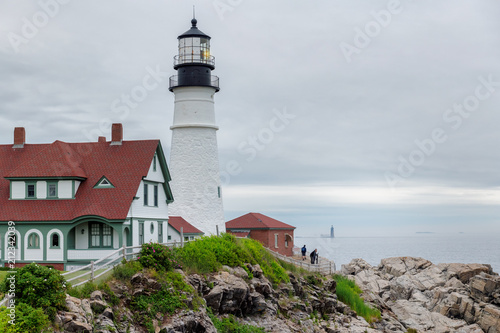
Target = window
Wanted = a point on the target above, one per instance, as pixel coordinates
(152, 227)
(33, 241)
(30, 190)
(101, 235)
(145, 194)
(154, 163)
(218, 191)
(169, 237)
(12, 240)
(276, 240)
(51, 190)
(107, 235)
(186, 238)
(141, 232)
(95, 237)
(54, 241)
(156, 195)
(160, 232)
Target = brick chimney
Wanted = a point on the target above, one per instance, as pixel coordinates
(116, 134)
(19, 137)
(101, 139)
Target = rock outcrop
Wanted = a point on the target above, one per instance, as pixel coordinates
(431, 298)
(410, 292)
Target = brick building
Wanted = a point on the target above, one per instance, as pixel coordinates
(273, 234)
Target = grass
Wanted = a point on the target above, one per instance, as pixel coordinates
(348, 292)
(230, 325)
(208, 254)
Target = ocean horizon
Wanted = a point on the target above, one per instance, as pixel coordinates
(437, 248)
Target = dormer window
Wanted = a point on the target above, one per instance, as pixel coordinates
(30, 190)
(103, 183)
(51, 190)
(154, 163)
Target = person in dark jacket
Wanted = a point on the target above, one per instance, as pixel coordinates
(313, 256)
(303, 250)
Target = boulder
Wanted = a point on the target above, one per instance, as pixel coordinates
(401, 265)
(354, 267)
(464, 272)
(189, 321)
(489, 319)
(485, 288)
(229, 295)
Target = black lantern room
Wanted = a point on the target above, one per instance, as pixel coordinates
(194, 64)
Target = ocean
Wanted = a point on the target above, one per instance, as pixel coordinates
(437, 248)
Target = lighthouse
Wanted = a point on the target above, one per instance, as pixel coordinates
(194, 160)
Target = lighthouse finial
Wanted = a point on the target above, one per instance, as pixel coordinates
(194, 21)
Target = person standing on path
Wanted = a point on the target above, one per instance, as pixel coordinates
(303, 250)
(313, 256)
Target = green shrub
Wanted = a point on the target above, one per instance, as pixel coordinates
(348, 293)
(145, 307)
(157, 256)
(82, 291)
(208, 254)
(27, 319)
(39, 287)
(230, 325)
(314, 280)
(126, 270)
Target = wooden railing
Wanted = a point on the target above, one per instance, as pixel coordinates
(107, 263)
(323, 266)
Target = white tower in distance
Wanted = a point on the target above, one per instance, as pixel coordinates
(194, 160)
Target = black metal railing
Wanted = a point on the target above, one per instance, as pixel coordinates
(174, 83)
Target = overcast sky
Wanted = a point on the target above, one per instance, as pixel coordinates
(377, 117)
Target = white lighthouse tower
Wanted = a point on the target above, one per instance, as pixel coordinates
(194, 160)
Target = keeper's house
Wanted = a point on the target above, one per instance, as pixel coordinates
(76, 202)
(273, 234)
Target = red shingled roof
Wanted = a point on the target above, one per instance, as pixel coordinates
(241, 234)
(256, 221)
(124, 165)
(177, 222)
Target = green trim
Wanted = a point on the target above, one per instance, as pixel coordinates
(160, 231)
(165, 172)
(35, 237)
(53, 182)
(145, 191)
(141, 232)
(26, 185)
(100, 184)
(155, 195)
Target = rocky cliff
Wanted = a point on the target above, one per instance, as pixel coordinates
(431, 298)
(411, 293)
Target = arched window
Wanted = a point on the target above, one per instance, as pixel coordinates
(54, 241)
(33, 241)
